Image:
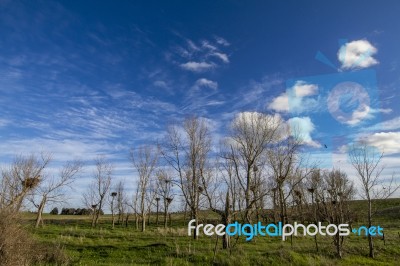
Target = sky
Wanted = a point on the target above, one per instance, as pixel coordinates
(83, 78)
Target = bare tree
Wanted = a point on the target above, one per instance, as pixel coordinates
(227, 170)
(251, 133)
(221, 205)
(337, 191)
(121, 201)
(21, 178)
(289, 168)
(186, 150)
(99, 188)
(52, 189)
(145, 161)
(164, 192)
(366, 161)
(113, 207)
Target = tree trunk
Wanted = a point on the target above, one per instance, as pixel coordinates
(157, 212)
(126, 219)
(226, 219)
(194, 216)
(40, 211)
(185, 213)
(282, 206)
(112, 213)
(338, 246)
(143, 222)
(370, 240)
(137, 221)
(165, 216)
(94, 217)
(98, 214)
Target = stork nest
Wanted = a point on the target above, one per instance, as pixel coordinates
(30, 182)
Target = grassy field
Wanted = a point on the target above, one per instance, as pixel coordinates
(127, 246)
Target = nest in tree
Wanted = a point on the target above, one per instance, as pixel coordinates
(30, 182)
(297, 193)
(169, 200)
(113, 194)
(201, 189)
(255, 168)
(311, 190)
(157, 199)
(94, 206)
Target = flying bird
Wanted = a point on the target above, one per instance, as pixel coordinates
(326, 147)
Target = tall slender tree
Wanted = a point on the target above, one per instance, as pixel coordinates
(186, 149)
(145, 161)
(95, 197)
(366, 160)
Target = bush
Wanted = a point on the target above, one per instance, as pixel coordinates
(83, 211)
(68, 211)
(54, 211)
(18, 248)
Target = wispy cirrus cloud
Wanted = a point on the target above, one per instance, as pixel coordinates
(205, 83)
(4, 122)
(391, 124)
(197, 66)
(202, 56)
(222, 41)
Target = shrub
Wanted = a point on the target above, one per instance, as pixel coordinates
(18, 248)
(54, 211)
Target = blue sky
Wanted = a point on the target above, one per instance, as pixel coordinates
(81, 78)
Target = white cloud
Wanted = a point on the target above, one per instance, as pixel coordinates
(387, 142)
(192, 45)
(61, 150)
(255, 121)
(296, 99)
(362, 112)
(197, 66)
(391, 124)
(301, 89)
(200, 56)
(303, 127)
(4, 122)
(357, 54)
(222, 41)
(221, 56)
(160, 84)
(280, 103)
(365, 112)
(206, 83)
(209, 46)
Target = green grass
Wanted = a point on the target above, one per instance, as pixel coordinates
(157, 246)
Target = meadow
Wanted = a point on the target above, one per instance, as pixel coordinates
(172, 246)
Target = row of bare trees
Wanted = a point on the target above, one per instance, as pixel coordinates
(262, 158)
(261, 161)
